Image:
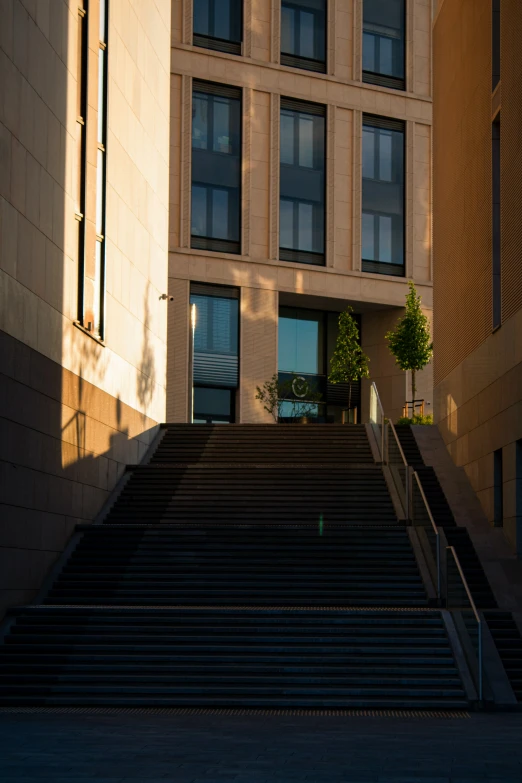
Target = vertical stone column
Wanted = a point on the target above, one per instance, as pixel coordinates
(331, 39)
(186, 159)
(390, 379)
(274, 176)
(178, 336)
(330, 179)
(258, 350)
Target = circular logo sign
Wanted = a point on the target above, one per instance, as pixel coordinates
(300, 386)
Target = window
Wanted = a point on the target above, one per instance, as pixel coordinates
(91, 173)
(216, 167)
(301, 341)
(302, 182)
(383, 196)
(384, 43)
(496, 255)
(218, 25)
(215, 352)
(303, 34)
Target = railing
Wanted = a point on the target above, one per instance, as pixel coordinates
(421, 516)
(459, 597)
(396, 461)
(377, 419)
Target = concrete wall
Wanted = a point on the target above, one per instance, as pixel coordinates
(74, 410)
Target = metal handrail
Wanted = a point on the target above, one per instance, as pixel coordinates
(434, 526)
(401, 452)
(379, 403)
(475, 612)
(405, 463)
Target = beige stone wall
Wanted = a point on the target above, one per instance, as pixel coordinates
(258, 349)
(79, 409)
(479, 409)
(478, 372)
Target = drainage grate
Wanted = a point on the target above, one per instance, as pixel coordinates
(418, 714)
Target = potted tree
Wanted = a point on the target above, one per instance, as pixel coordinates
(349, 363)
(410, 341)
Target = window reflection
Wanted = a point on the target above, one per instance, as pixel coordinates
(300, 341)
(218, 24)
(303, 34)
(383, 195)
(384, 42)
(216, 167)
(302, 182)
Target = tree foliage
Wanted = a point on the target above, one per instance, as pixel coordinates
(349, 363)
(410, 341)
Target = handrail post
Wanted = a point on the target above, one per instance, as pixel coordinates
(480, 673)
(477, 618)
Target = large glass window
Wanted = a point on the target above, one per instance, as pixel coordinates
(216, 167)
(301, 341)
(218, 25)
(303, 34)
(383, 196)
(384, 42)
(215, 366)
(302, 182)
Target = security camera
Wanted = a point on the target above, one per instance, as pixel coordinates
(171, 298)
(166, 296)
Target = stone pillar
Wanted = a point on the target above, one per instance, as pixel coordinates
(390, 379)
(258, 350)
(178, 335)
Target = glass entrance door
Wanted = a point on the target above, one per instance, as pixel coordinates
(301, 362)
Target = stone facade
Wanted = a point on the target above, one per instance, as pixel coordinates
(257, 270)
(74, 409)
(478, 344)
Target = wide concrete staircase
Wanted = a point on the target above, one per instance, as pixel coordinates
(244, 566)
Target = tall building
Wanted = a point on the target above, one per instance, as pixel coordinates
(84, 150)
(267, 163)
(477, 246)
(300, 183)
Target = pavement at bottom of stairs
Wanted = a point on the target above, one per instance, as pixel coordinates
(104, 747)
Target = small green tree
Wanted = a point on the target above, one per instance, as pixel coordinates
(410, 341)
(349, 362)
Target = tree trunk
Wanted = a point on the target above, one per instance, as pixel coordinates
(413, 388)
(349, 399)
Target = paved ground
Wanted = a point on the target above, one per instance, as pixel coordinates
(88, 748)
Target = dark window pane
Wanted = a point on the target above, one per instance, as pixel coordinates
(212, 406)
(384, 42)
(202, 16)
(300, 341)
(303, 33)
(220, 213)
(287, 28)
(199, 211)
(218, 19)
(302, 183)
(200, 122)
(383, 193)
(216, 168)
(287, 137)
